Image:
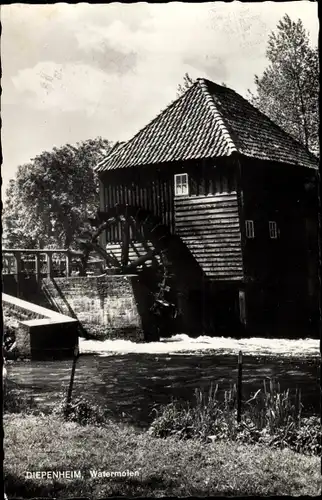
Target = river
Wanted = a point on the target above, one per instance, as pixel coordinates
(129, 379)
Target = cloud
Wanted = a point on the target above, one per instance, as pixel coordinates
(211, 38)
(61, 87)
(124, 62)
(65, 88)
(75, 71)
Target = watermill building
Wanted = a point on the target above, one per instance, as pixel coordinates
(238, 195)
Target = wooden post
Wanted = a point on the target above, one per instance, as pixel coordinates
(71, 382)
(9, 262)
(67, 264)
(125, 243)
(37, 267)
(103, 207)
(49, 264)
(17, 256)
(239, 385)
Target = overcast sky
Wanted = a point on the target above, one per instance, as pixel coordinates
(73, 72)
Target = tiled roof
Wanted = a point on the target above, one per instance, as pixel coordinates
(208, 120)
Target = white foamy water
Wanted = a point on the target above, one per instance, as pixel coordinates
(183, 344)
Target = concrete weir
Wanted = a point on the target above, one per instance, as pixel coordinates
(41, 333)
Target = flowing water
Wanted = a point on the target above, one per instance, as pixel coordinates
(129, 378)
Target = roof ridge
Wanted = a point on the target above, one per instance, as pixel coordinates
(213, 120)
(217, 115)
(126, 143)
(298, 143)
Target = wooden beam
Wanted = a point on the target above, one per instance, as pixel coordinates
(49, 264)
(38, 250)
(17, 256)
(68, 269)
(102, 237)
(125, 242)
(141, 260)
(109, 259)
(37, 267)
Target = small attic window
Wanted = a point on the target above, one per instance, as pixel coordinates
(272, 226)
(249, 226)
(181, 185)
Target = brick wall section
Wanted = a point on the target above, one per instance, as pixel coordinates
(107, 307)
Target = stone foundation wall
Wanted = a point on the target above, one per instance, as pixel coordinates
(107, 307)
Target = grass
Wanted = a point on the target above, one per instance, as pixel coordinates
(223, 458)
(15, 401)
(167, 467)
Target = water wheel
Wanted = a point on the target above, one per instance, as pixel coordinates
(143, 250)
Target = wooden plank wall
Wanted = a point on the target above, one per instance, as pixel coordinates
(277, 270)
(209, 226)
(274, 192)
(144, 187)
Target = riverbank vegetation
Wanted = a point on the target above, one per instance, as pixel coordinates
(189, 450)
(270, 417)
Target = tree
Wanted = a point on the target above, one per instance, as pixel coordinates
(51, 197)
(187, 83)
(288, 90)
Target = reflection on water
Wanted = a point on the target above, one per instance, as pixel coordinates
(130, 383)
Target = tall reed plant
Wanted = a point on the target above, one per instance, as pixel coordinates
(272, 408)
(271, 417)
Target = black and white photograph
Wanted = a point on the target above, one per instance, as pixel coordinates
(160, 250)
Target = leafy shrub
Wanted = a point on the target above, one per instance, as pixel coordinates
(172, 419)
(270, 417)
(200, 420)
(10, 327)
(81, 411)
(308, 436)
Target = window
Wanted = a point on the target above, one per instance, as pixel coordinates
(249, 228)
(181, 186)
(272, 229)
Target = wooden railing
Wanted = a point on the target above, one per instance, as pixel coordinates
(14, 260)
